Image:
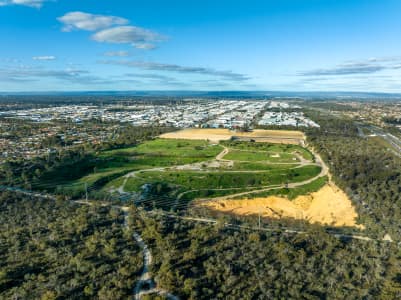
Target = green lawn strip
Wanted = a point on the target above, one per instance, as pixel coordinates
(260, 166)
(171, 148)
(270, 147)
(214, 180)
(156, 153)
(94, 182)
(258, 156)
(292, 193)
(211, 193)
(116, 183)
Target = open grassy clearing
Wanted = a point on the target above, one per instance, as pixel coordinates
(148, 170)
(108, 165)
(261, 156)
(185, 180)
(163, 152)
(254, 165)
(291, 194)
(261, 166)
(269, 148)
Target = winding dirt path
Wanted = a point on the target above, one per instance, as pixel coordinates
(146, 278)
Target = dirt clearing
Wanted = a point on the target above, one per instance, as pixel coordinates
(329, 206)
(215, 135)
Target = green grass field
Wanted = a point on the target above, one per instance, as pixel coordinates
(270, 148)
(291, 194)
(261, 166)
(254, 166)
(261, 156)
(108, 164)
(213, 180)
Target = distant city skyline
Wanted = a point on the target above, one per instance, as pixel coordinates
(286, 45)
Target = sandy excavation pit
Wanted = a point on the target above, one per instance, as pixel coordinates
(329, 206)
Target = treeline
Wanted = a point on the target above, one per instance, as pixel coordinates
(200, 261)
(60, 250)
(128, 135)
(366, 170)
(73, 163)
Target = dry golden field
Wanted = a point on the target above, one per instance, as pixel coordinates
(215, 135)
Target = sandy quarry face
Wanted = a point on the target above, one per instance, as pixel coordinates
(329, 206)
(218, 134)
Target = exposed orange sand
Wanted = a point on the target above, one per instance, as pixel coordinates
(329, 205)
(220, 134)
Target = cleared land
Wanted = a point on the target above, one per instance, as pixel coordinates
(216, 135)
(329, 206)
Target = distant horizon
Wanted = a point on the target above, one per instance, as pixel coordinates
(208, 93)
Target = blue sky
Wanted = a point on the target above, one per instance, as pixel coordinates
(293, 45)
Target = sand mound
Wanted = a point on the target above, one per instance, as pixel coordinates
(329, 206)
(221, 134)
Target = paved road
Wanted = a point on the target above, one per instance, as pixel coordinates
(390, 138)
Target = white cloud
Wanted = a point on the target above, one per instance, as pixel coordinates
(83, 21)
(369, 66)
(31, 3)
(117, 54)
(145, 46)
(154, 66)
(138, 37)
(46, 57)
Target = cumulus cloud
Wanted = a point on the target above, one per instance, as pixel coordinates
(31, 3)
(145, 46)
(78, 20)
(153, 66)
(45, 57)
(111, 29)
(136, 36)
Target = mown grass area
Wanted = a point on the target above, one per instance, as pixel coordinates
(189, 180)
(98, 167)
(261, 156)
(293, 193)
(193, 149)
(260, 166)
(209, 193)
(105, 170)
(269, 147)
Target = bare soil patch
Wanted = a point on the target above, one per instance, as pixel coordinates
(215, 135)
(329, 205)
